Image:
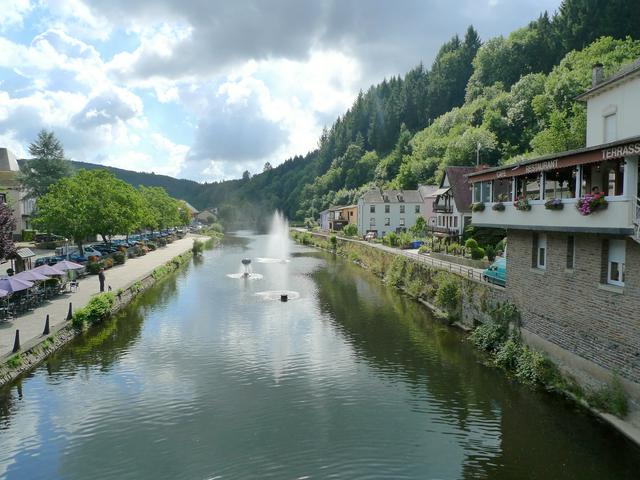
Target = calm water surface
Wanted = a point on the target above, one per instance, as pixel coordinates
(202, 379)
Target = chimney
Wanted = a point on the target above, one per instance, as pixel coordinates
(597, 74)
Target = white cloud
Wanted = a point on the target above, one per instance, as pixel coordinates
(13, 13)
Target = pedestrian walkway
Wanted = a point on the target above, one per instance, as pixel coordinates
(468, 272)
(31, 324)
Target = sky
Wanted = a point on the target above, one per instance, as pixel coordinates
(206, 89)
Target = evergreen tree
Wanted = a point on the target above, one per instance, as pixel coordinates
(47, 166)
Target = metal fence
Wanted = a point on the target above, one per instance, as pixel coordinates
(467, 272)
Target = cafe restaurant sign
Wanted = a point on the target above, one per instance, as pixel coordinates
(565, 160)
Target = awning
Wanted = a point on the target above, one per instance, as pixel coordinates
(25, 253)
(441, 191)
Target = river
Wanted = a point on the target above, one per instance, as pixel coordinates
(200, 378)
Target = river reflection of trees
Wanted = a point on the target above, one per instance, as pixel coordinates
(507, 430)
(99, 348)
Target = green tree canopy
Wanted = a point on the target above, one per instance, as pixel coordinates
(47, 166)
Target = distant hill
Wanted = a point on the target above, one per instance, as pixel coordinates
(182, 189)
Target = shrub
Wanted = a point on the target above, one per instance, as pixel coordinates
(138, 251)
(477, 207)
(404, 240)
(94, 267)
(98, 307)
(395, 274)
(611, 398)
(449, 293)
(423, 249)
(107, 263)
(216, 227)
(93, 258)
(15, 361)
(489, 336)
(531, 367)
(161, 242)
(477, 253)
(390, 239)
(198, 247)
(152, 246)
(119, 258)
(508, 354)
(28, 235)
(333, 240)
(350, 230)
(470, 244)
(490, 252)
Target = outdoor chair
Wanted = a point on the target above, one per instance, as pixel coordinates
(73, 286)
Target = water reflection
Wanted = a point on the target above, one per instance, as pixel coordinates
(200, 378)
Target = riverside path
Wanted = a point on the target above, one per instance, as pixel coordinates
(31, 324)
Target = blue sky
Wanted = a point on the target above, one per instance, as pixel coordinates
(205, 89)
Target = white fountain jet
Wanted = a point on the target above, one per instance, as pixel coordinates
(277, 247)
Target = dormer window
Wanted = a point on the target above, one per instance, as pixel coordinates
(400, 198)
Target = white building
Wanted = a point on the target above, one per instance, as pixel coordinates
(11, 193)
(384, 211)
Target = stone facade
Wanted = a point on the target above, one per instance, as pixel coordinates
(574, 308)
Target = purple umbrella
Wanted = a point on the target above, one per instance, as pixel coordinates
(30, 276)
(3, 293)
(48, 270)
(67, 265)
(13, 284)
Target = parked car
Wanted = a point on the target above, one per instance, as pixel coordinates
(70, 250)
(47, 237)
(48, 260)
(497, 272)
(370, 236)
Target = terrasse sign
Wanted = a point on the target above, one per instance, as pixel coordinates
(622, 151)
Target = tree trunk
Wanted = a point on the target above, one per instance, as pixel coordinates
(79, 244)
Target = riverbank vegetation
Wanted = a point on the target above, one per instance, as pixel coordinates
(499, 337)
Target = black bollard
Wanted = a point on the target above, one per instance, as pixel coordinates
(46, 330)
(16, 343)
(284, 297)
(70, 313)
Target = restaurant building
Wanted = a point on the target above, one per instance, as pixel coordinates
(573, 264)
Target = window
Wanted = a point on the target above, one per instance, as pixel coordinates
(477, 192)
(351, 214)
(539, 251)
(482, 192)
(502, 190)
(529, 186)
(560, 183)
(3, 198)
(417, 209)
(372, 222)
(387, 221)
(455, 222)
(605, 177)
(616, 258)
(571, 252)
(372, 209)
(401, 208)
(610, 128)
(402, 222)
(387, 208)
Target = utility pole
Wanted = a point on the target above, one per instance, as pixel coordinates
(478, 147)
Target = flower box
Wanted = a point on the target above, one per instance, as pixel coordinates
(477, 207)
(554, 204)
(522, 204)
(591, 203)
(498, 207)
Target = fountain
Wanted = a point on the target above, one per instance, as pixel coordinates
(246, 272)
(277, 250)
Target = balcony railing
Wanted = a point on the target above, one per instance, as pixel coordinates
(619, 217)
(445, 230)
(636, 222)
(442, 208)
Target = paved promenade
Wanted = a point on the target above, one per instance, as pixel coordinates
(469, 272)
(31, 324)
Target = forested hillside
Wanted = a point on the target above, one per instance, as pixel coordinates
(513, 95)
